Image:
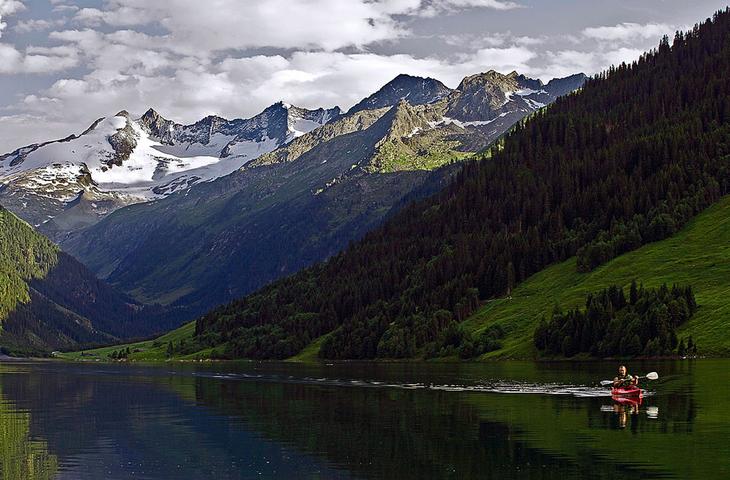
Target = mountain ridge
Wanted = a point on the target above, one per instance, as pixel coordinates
(416, 90)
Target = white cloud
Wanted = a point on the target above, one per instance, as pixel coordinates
(497, 39)
(438, 7)
(231, 24)
(567, 62)
(13, 61)
(597, 48)
(64, 8)
(312, 25)
(8, 7)
(35, 25)
(503, 59)
(627, 32)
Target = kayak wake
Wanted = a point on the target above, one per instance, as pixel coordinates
(499, 387)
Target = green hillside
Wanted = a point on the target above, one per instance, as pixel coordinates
(699, 255)
(545, 220)
(145, 351)
(24, 255)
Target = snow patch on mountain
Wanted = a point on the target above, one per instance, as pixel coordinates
(213, 148)
(464, 125)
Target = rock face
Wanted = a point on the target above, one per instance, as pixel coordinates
(303, 201)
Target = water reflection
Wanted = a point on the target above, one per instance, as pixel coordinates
(357, 420)
(22, 457)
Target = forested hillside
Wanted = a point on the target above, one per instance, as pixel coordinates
(626, 161)
(48, 300)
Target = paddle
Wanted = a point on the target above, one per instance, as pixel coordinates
(649, 376)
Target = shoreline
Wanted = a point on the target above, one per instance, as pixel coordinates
(362, 361)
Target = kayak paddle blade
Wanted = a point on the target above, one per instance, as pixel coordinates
(652, 376)
(606, 382)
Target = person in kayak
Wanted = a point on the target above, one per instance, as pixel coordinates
(624, 380)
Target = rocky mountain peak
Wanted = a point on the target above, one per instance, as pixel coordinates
(490, 94)
(402, 120)
(479, 96)
(415, 90)
(212, 120)
(490, 78)
(151, 115)
(157, 126)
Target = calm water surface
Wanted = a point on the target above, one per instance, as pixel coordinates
(403, 420)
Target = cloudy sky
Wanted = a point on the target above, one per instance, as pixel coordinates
(65, 63)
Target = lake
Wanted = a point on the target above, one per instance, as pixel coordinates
(361, 420)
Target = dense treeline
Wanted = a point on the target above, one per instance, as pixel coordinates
(645, 323)
(626, 161)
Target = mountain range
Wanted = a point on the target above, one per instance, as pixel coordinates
(300, 203)
(192, 216)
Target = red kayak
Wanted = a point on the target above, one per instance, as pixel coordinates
(632, 391)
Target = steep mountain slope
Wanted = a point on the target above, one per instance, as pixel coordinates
(65, 185)
(281, 212)
(48, 300)
(596, 174)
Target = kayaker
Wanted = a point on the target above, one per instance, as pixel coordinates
(624, 379)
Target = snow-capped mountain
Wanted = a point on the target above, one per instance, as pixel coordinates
(121, 160)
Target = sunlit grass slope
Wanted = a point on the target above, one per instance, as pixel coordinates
(699, 255)
(145, 351)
